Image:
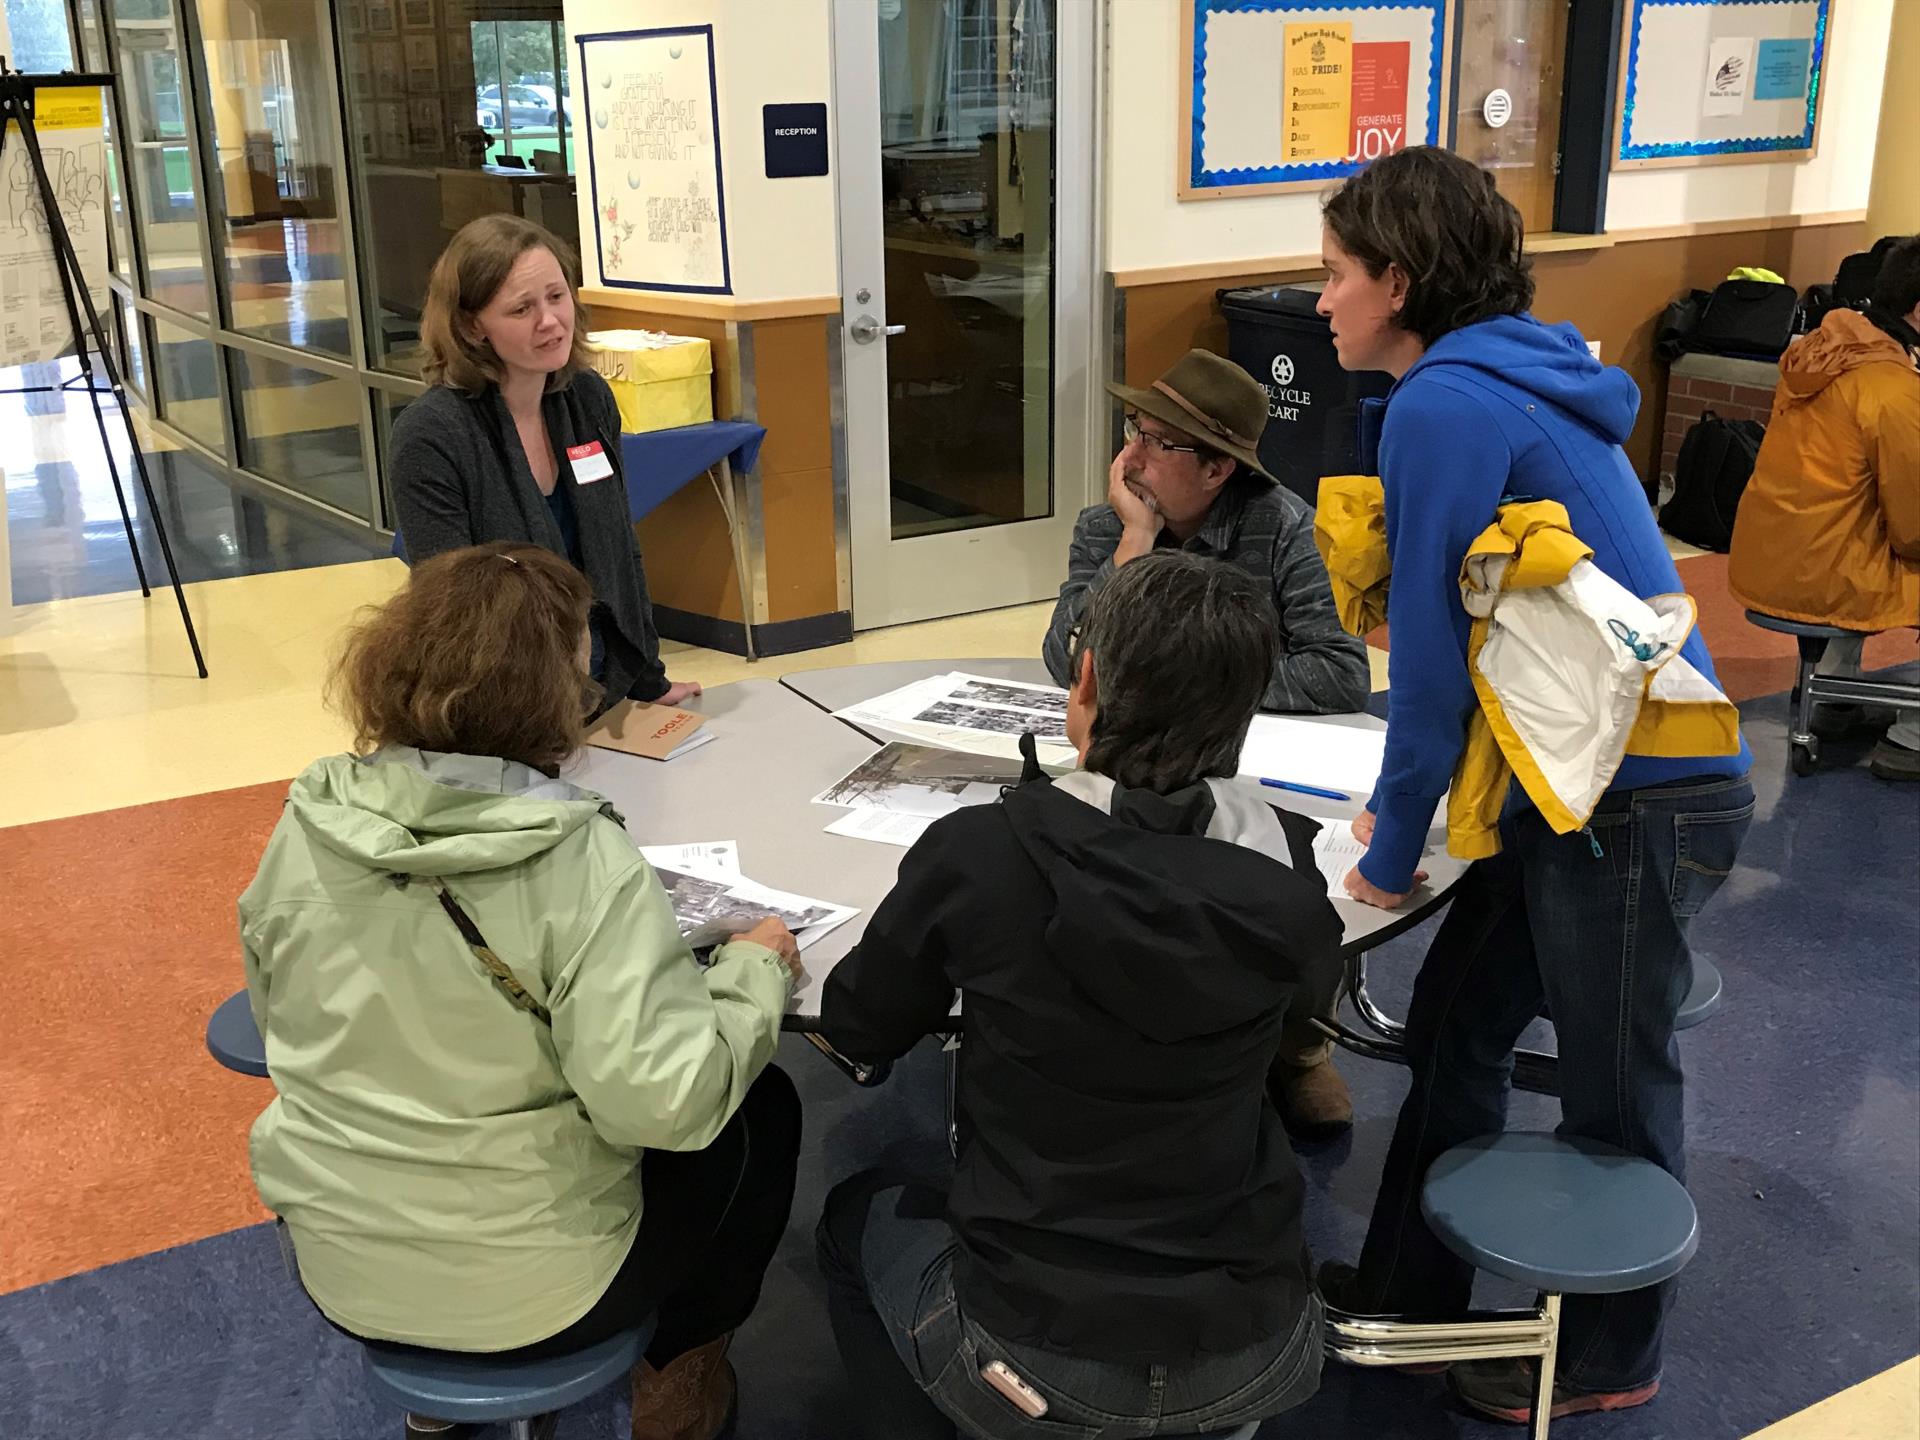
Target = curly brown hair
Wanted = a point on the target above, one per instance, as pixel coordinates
(478, 654)
(1442, 220)
(466, 277)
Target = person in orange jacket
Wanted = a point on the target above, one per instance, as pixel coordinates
(1828, 531)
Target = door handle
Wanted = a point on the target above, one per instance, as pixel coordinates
(865, 330)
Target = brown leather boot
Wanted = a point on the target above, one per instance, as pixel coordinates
(1313, 1099)
(693, 1398)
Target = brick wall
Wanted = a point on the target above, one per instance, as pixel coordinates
(1732, 389)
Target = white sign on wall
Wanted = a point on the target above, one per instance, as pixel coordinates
(71, 125)
(653, 159)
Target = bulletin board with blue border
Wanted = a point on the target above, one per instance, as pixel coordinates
(1299, 94)
(1719, 81)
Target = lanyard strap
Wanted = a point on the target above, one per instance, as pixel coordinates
(501, 972)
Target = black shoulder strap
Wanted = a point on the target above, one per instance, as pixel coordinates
(501, 972)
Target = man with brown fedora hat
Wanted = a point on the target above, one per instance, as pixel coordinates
(1189, 477)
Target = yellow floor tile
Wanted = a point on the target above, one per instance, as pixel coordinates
(1887, 1407)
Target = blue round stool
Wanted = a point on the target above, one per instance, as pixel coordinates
(232, 1038)
(1803, 746)
(1565, 1215)
(480, 1389)
(1703, 995)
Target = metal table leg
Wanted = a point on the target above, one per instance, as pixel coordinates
(724, 491)
(1532, 1069)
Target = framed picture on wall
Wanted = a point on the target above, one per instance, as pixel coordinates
(380, 17)
(427, 123)
(458, 44)
(416, 14)
(393, 130)
(423, 64)
(389, 70)
(653, 170)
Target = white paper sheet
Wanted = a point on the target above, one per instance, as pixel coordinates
(1729, 75)
(1313, 752)
(888, 827)
(1336, 852)
(720, 855)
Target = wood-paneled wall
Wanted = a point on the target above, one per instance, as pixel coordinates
(1613, 295)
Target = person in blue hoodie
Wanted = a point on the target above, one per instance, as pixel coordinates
(1428, 282)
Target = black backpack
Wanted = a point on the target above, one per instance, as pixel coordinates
(1749, 318)
(1673, 335)
(1709, 477)
(1853, 282)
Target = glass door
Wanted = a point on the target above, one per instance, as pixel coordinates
(965, 158)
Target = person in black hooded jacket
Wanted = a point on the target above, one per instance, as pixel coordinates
(1122, 1242)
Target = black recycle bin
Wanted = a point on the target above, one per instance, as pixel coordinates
(1313, 406)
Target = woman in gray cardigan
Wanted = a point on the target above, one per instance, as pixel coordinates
(519, 439)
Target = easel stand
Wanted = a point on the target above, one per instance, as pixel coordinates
(17, 92)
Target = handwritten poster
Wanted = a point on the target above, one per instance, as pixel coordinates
(70, 122)
(1316, 93)
(653, 159)
(1379, 121)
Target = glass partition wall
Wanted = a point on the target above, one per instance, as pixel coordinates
(282, 175)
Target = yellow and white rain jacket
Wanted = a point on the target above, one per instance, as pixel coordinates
(1573, 671)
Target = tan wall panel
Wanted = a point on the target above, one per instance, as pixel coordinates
(798, 506)
(1614, 296)
(688, 554)
(689, 557)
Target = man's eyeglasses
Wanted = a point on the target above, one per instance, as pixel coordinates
(1131, 429)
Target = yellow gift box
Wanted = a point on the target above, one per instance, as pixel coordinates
(660, 381)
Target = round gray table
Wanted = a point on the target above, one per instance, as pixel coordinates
(777, 746)
(1365, 925)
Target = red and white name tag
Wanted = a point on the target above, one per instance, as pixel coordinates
(589, 461)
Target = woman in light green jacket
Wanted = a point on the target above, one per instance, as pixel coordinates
(513, 1112)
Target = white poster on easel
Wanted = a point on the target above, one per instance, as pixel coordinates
(653, 159)
(70, 123)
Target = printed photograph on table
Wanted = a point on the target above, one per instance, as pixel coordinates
(921, 780)
(1022, 697)
(1355, 81)
(995, 721)
(653, 159)
(1717, 81)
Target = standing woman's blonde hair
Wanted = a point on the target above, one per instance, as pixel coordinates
(466, 277)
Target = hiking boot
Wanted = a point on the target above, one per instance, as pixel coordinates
(1894, 762)
(1503, 1390)
(1313, 1099)
(694, 1397)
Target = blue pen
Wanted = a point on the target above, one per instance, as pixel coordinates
(1306, 790)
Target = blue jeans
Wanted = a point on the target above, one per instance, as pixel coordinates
(1599, 939)
(915, 1358)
